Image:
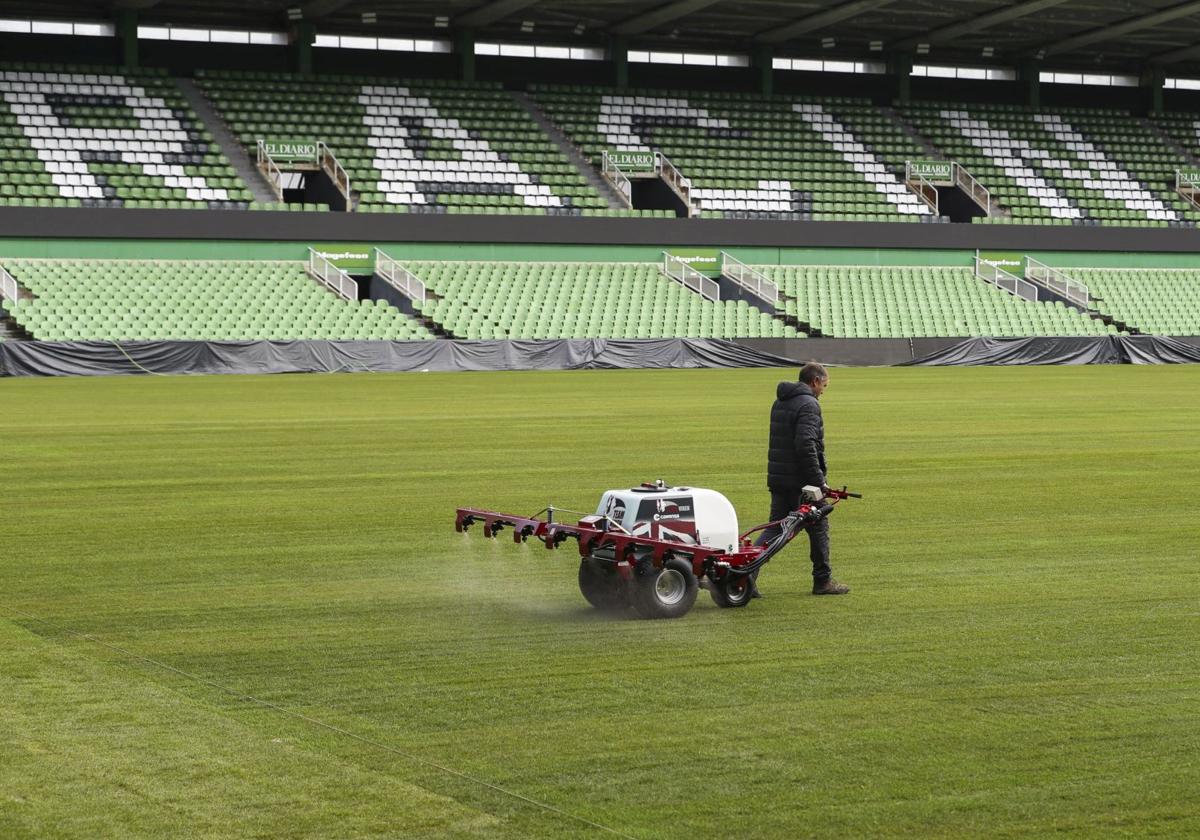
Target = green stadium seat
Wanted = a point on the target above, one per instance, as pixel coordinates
(119, 300)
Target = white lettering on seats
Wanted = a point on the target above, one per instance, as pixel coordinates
(616, 124)
(860, 158)
(395, 117)
(61, 148)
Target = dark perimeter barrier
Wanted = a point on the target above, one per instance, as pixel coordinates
(1092, 350)
(106, 358)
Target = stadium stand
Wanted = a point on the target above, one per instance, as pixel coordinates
(751, 156)
(910, 302)
(131, 300)
(246, 300)
(96, 137)
(1158, 301)
(93, 136)
(434, 146)
(1066, 166)
(1183, 129)
(580, 300)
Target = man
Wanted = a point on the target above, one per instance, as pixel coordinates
(797, 458)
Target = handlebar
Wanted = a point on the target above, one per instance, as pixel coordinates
(834, 493)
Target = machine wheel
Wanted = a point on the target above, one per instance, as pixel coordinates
(602, 587)
(732, 590)
(666, 592)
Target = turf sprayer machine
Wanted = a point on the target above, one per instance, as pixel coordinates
(651, 547)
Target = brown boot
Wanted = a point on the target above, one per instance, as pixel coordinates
(830, 587)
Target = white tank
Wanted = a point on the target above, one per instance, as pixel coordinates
(692, 515)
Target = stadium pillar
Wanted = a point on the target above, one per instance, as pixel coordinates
(618, 48)
(1029, 74)
(302, 36)
(763, 62)
(464, 45)
(127, 29)
(1152, 83)
(900, 67)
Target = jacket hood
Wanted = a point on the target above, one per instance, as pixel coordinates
(787, 390)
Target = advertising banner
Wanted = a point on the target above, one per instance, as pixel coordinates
(348, 256)
(1011, 261)
(938, 172)
(707, 261)
(291, 150)
(632, 161)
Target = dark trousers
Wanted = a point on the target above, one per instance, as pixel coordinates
(784, 502)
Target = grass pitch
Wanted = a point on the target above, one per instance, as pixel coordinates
(236, 606)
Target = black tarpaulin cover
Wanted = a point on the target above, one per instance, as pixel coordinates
(103, 358)
(1094, 350)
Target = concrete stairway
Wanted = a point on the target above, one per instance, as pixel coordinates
(910, 130)
(1168, 141)
(933, 152)
(570, 150)
(10, 330)
(246, 168)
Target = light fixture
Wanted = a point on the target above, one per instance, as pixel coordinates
(828, 42)
(877, 46)
(922, 49)
(1040, 55)
(579, 27)
(295, 13)
(527, 26)
(441, 21)
(988, 52)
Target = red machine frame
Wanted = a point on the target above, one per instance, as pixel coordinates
(593, 532)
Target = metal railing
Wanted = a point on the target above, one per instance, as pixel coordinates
(619, 180)
(925, 191)
(1188, 188)
(336, 172)
(675, 179)
(1058, 282)
(338, 281)
(749, 279)
(976, 191)
(270, 170)
(690, 278)
(9, 289)
(1001, 279)
(399, 277)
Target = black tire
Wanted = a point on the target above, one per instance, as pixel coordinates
(601, 585)
(665, 592)
(732, 591)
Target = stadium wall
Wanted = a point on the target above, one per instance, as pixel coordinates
(37, 232)
(245, 249)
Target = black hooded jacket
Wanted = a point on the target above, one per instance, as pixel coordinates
(797, 449)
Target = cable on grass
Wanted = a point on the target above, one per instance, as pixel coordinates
(134, 361)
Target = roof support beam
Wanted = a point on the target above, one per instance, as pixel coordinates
(977, 24)
(1116, 30)
(135, 4)
(321, 8)
(1182, 54)
(492, 12)
(818, 21)
(664, 14)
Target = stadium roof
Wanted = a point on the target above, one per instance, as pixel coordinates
(1078, 34)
